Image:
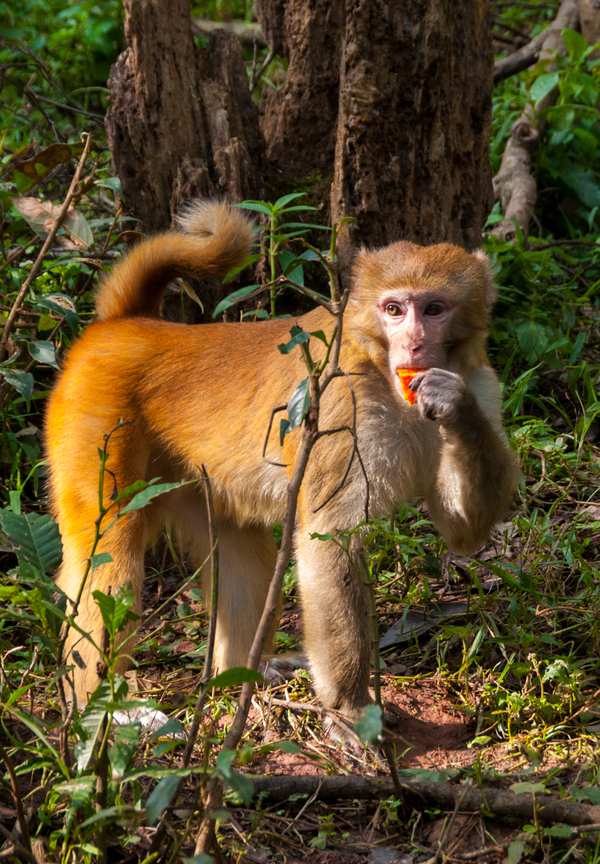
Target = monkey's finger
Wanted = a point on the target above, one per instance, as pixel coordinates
(416, 381)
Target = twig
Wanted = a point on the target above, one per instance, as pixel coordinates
(537, 247)
(16, 794)
(319, 380)
(210, 646)
(47, 243)
(19, 850)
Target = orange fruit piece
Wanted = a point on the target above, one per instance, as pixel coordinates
(406, 376)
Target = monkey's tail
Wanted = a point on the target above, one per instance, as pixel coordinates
(214, 238)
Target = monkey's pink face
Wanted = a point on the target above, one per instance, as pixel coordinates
(418, 327)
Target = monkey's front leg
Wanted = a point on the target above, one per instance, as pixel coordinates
(477, 471)
(337, 626)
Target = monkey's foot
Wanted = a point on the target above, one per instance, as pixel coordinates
(282, 668)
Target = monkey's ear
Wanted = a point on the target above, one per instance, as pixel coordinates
(488, 275)
(359, 270)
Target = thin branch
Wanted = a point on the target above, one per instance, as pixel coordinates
(16, 794)
(42, 253)
(19, 851)
(210, 646)
(269, 461)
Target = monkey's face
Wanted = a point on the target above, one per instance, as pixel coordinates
(417, 326)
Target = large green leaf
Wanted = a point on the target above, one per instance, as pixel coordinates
(299, 403)
(160, 797)
(34, 537)
(21, 381)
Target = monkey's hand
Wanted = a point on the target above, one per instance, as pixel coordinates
(443, 396)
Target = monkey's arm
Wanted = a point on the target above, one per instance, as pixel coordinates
(477, 471)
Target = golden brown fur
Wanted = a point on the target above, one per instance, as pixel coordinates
(194, 395)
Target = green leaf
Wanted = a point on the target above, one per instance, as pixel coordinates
(21, 381)
(247, 262)
(575, 43)
(92, 721)
(527, 788)
(43, 352)
(120, 754)
(34, 537)
(299, 404)
(515, 851)
(284, 428)
(79, 790)
(113, 183)
(234, 677)
(116, 609)
(160, 798)
(146, 495)
(100, 558)
(232, 299)
(305, 226)
(299, 337)
(76, 225)
(583, 183)
(592, 793)
(199, 859)
(256, 206)
(543, 85)
(65, 309)
(281, 202)
(560, 830)
(240, 783)
(291, 267)
(370, 725)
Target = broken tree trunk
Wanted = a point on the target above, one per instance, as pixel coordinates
(514, 185)
(173, 132)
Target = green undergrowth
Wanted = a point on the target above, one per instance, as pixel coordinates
(512, 637)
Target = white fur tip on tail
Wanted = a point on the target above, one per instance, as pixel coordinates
(205, 217)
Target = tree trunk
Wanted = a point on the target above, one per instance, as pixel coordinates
(412, 151)
(174, 133)
(300, 119)
(384, 115)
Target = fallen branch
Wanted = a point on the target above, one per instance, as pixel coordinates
(523, 58)
(500, 802)
(514, 186)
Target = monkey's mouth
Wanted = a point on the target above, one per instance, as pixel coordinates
(406, 376)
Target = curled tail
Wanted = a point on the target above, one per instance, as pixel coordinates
(215, 237)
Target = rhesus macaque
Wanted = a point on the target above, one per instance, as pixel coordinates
(204, 394)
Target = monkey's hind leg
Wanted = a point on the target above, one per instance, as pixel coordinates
(246, 562)
(125, 542)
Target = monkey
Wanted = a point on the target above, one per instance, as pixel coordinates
(204, 394)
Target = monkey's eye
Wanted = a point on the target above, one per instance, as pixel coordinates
(434, 309)
(393, 310)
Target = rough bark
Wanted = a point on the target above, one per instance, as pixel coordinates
(514, 185)
(166, 143)
(589, 16)
(385, 111)
(300, 119)
(412, 157)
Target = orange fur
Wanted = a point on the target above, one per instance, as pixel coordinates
(194, 395)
